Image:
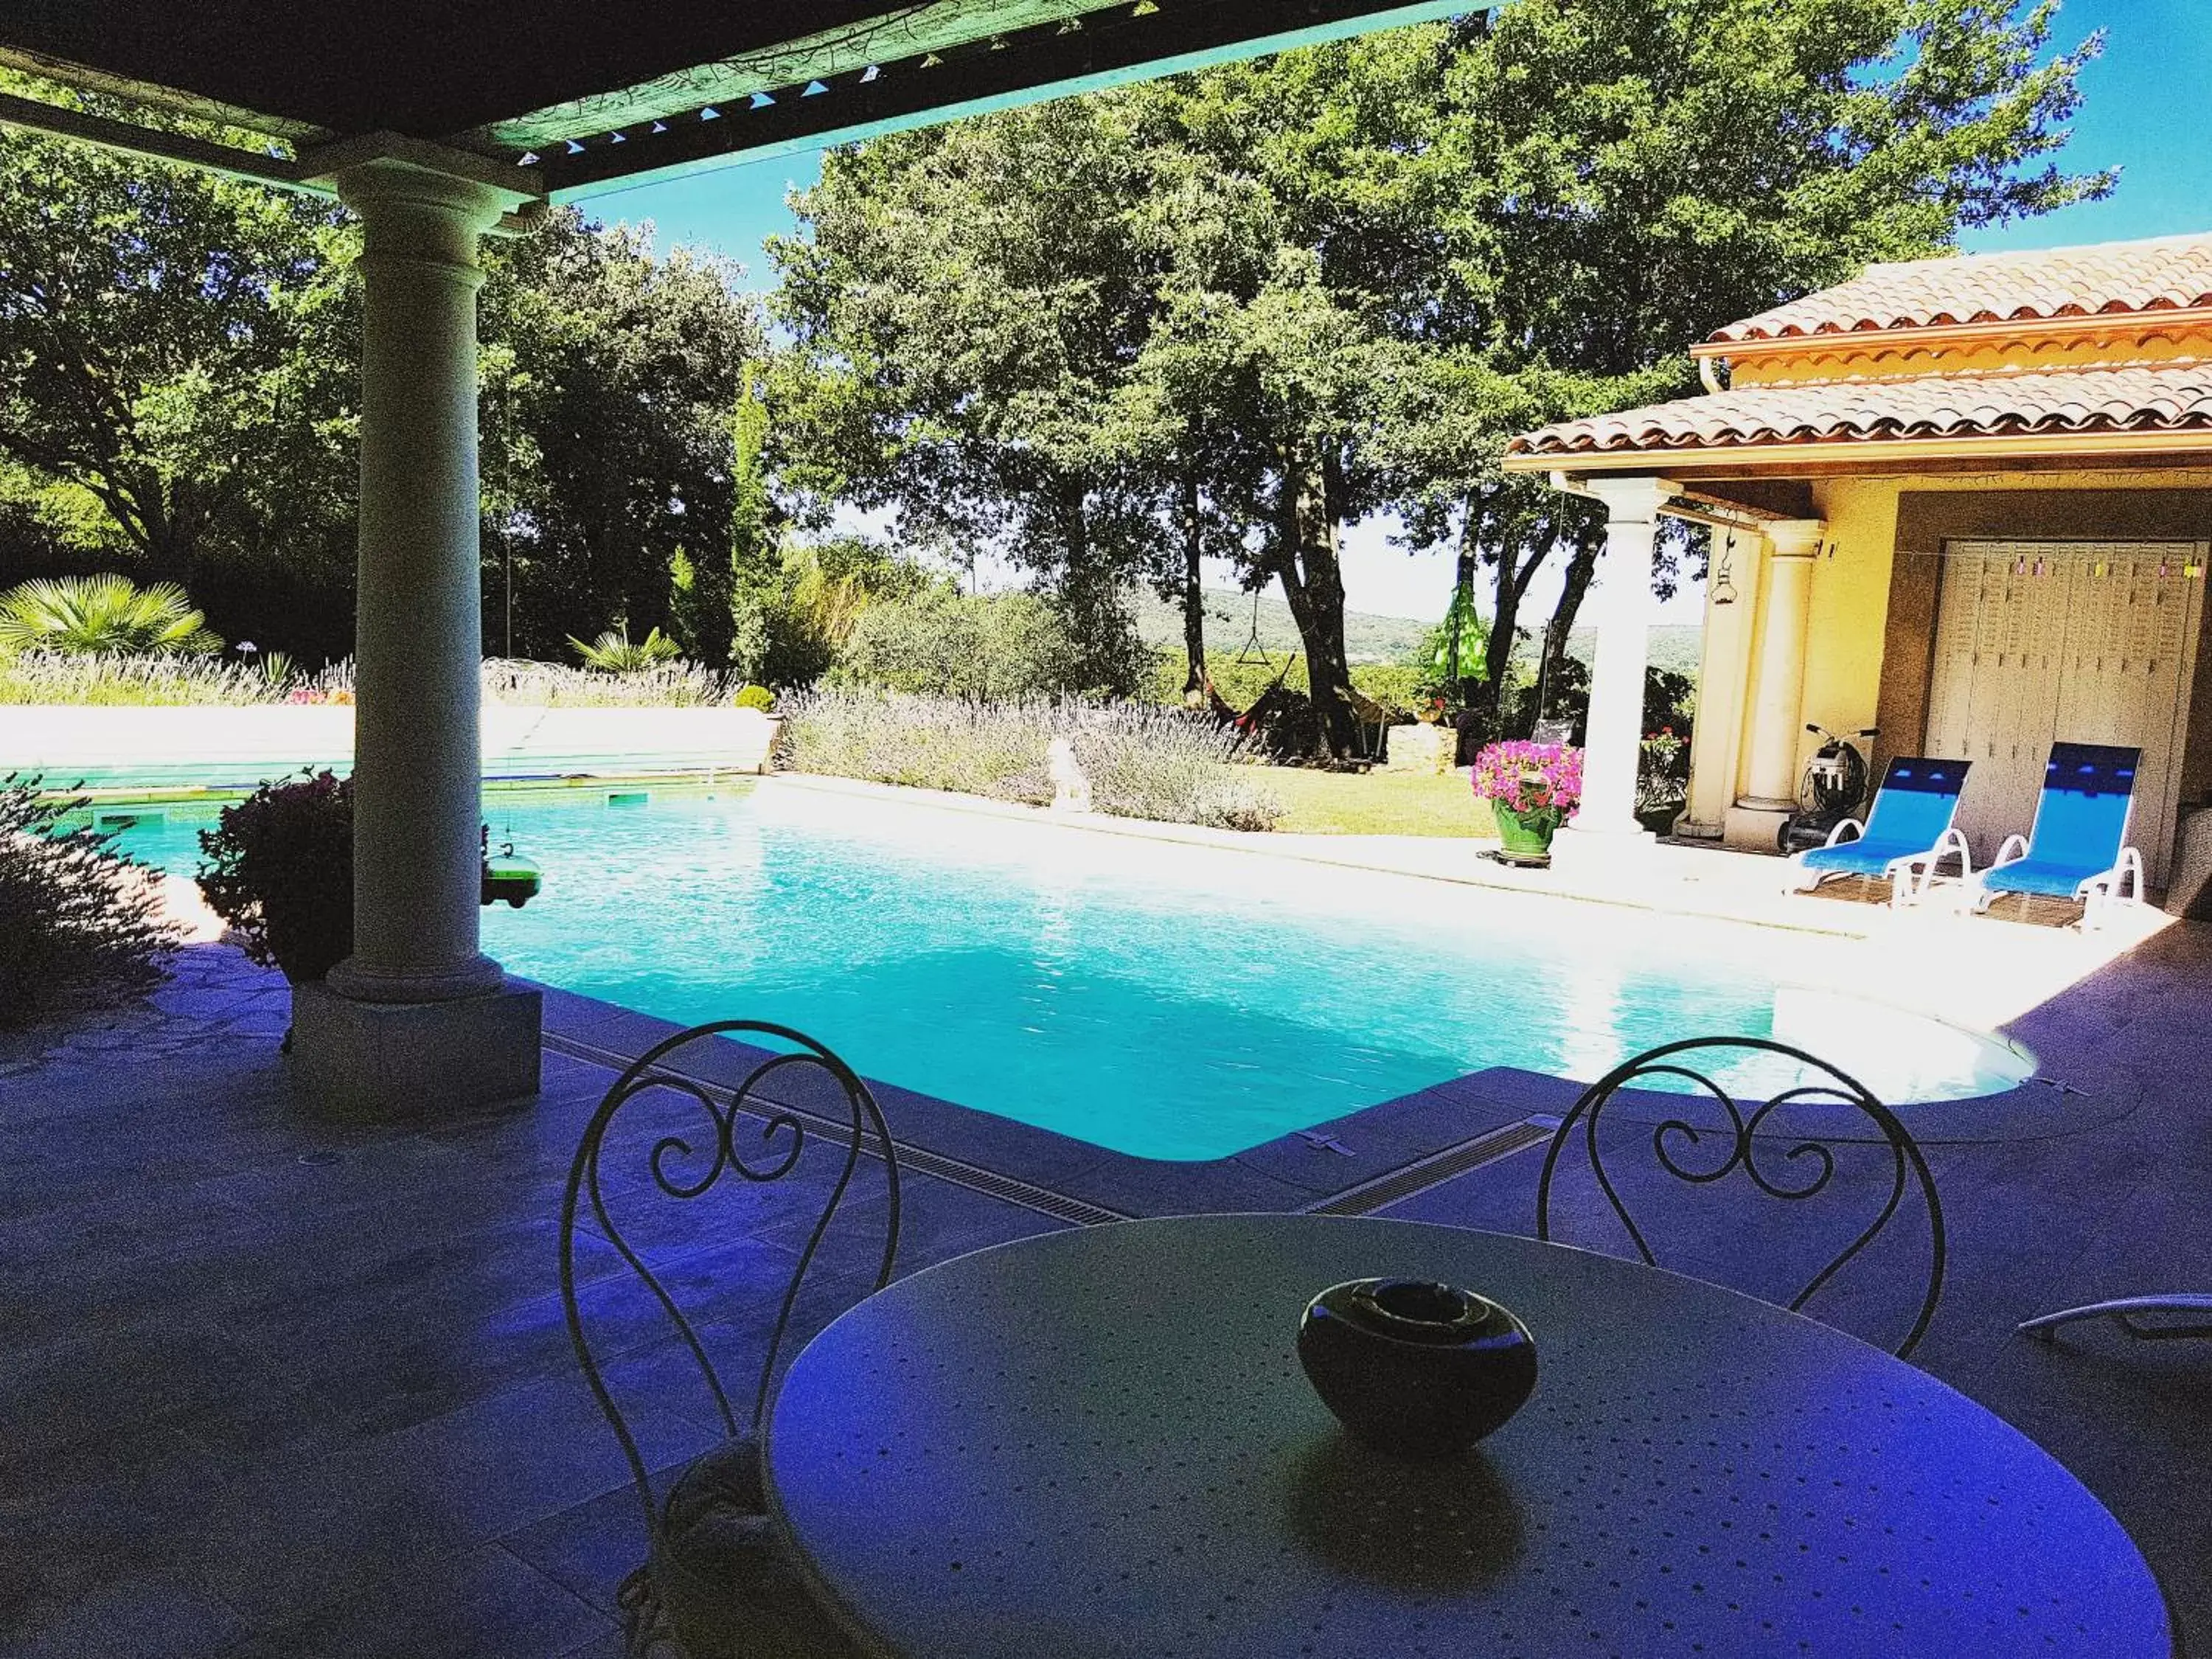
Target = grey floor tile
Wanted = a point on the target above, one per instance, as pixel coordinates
(274, 1387)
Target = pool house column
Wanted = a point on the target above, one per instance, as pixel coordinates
(1776, 697)
(1613, 740)
(418, 1021)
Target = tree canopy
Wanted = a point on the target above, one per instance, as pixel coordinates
(611, 382)
(177, 368)
(1236, 311)
(179, 391)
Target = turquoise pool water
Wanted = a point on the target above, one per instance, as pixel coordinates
(1162, 1001)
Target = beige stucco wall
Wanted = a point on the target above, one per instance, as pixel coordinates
(1850, 604)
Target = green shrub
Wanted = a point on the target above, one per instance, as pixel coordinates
(614, 653)
(77, 922)
(103, 615)
(754, 697)
(1142, 761)
(939, 643)
(278, 867)
(791, 633)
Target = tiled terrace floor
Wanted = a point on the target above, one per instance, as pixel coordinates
(274, 1387)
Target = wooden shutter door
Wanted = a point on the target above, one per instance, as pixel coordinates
(2072, 642)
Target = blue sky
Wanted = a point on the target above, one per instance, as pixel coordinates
(2143, 111)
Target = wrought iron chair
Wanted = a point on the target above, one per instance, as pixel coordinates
(1807, 1158)
(2128, 1312)
(716, 1581)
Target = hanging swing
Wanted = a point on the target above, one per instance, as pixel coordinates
(1254, 651)
(1249, 722)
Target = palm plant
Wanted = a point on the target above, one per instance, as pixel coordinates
(103, 615)
(613, 652)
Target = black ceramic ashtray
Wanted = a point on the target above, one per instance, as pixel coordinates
(1416, 1368)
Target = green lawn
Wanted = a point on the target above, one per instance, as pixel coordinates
(1377, 803)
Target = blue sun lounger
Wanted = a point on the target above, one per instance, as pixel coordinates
(2078, 848)
(1909, 832)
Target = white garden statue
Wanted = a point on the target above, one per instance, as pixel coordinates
(1071, 790)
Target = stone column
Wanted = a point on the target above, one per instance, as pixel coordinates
(1777, 687)
(1613, 738)
(417, 1018)
(1725, 663)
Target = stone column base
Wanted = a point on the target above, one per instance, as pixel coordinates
(1689, 828)
(1754, 829)
(389, 1062)
(1601, 851)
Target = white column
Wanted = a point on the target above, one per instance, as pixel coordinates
(1724, 664)
(1613, 738)
(418, 1021)
(1777, 689)
(419, 638)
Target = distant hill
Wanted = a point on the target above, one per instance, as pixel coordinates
(1367, 638)
(1675, 646)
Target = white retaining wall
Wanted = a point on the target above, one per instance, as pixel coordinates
(199, 745)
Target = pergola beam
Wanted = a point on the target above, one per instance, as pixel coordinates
(911, 31)
(1099, 50)
(153, 144)
(310, 175)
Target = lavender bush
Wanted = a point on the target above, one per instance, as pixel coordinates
(46, 678)
(1143, 762)
(555, 685)
(49, 676)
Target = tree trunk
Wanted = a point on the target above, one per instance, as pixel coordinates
(1194, 597)
(1580, 569)
(1504, 621)
(1313, 582)
(166, 527)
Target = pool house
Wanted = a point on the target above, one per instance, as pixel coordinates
(1965, 501)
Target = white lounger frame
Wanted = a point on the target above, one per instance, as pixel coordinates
(1910, 876)
(2096, 893)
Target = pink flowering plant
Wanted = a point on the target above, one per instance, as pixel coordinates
(1528, 778)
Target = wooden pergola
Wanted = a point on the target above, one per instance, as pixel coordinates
(440, 122)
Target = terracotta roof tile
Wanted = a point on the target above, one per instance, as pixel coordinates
(2160, 274)
(2161, 398)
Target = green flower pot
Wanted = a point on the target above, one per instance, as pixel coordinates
(1526, 837)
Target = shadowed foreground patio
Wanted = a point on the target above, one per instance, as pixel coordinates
(280, 1388)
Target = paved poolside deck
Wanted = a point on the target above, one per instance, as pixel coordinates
(278, 1388)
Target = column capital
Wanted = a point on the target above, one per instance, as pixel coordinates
(392, 155)
(1796, 538)
(420, 200)
(1631, 499)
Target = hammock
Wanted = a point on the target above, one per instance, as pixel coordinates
(1248, 722)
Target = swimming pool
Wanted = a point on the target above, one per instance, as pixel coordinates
(1164, 1000)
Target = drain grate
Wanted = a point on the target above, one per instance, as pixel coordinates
(1438, 1168)
(1059, 1206)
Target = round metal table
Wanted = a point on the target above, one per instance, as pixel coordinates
(1100, 1442)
